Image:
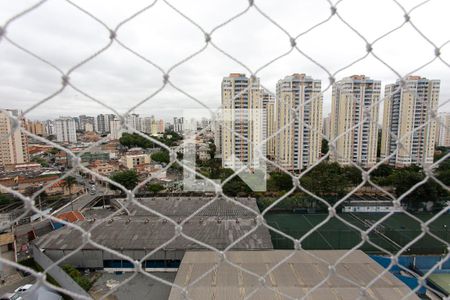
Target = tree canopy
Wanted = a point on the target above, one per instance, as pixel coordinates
(128, 178)
(161, 156)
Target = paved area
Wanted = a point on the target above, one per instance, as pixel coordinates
(140, 287)
(14, 283)
(6, 270)
(82, 201)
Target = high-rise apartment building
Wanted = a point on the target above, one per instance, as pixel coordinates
(13, 143)
(49, 128)
(407, 119)
(161, 126)
(147, 125)
(83, 119)
(354, 118)
(134, 121)
(178, 125)
(115, 129)
(269, 125)
(443, 130)
(35, 127)
(326, 126)
(242, 111)
(154, 126)
(65, 130)
(299, 121)
(103, 121)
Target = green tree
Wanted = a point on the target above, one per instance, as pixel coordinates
(68, 183)
(279, 181)
(53, 150)
(135, 140)
(161, 156)
(40, 161)
(352, 174)
(324, 149)
(235, 186)
(76, 275)
(6, 199)
(404, 179)
(155, 188)
(128, 178)
(212, 150)
(326, 179)
(382, 171)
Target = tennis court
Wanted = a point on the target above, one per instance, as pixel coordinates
(441, 281)
(392, 234)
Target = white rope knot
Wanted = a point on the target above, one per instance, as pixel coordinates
(407, 18)
(76, 161)
(65, 80)
(333, 10)
(424, 227)
(364, 236)
(437, 51)
(112, 34)
(262, 281)
(293, 42)
(297, 245)
(86, 237)
(207, 37)
(165, 78)
(178, 230)
(332, 211)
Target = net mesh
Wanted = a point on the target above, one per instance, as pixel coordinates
(292, 40)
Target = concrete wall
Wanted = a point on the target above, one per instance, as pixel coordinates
(64, 280)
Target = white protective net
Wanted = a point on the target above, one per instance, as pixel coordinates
(31, 203)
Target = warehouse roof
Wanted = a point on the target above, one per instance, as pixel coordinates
(217, 225)
(150, 233)
(295, 277)
(185, 206)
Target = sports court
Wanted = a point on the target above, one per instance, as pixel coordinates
(392, 234)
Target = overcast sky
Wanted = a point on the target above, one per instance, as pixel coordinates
(63, 35)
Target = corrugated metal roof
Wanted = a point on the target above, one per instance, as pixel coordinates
(295, 277)
(218, 225)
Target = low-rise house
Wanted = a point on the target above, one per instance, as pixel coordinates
(104, 168)
(131, 161)
(152, 170)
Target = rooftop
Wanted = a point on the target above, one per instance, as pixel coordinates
(299, 274)
(185, 206)
(218, 225)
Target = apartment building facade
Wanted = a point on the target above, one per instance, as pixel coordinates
(299, 122)
(13, 143)
(242, 126)
(443, 130)
(354, 120)
(407, 119)
(65, 130)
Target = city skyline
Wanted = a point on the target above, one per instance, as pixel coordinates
(120, 79)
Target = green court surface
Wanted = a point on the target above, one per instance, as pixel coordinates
(392, 234)
(441, 281)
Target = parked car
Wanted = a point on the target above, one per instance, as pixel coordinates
(23, 288)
